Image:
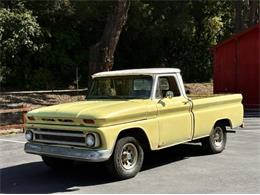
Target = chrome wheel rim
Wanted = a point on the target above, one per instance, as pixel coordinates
(129, 156)
(218, 137)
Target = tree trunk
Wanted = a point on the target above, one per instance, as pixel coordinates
(253, 9)
(101, 56)
(238, 15)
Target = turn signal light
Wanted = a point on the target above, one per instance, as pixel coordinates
(88, 121)
(31, 118)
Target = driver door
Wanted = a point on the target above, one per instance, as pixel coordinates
(174, 112)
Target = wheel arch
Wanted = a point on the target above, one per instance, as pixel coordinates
(137, 133)
(224, 121)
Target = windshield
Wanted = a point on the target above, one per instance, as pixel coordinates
(123, 87)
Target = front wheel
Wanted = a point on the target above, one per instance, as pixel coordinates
(127, 158)
(216, 142)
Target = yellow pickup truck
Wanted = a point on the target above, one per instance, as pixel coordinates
(127, 113)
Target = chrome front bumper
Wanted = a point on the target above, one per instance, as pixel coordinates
(68, 152)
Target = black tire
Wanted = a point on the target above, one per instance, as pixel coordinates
(57, 163)
(127, 158)
(216, 142)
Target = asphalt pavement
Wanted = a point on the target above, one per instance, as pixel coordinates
(179, 169)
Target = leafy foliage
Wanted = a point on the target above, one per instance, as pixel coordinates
(18, 33)
(43, 42)
(173, 34)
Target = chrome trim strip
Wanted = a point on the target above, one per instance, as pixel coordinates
(42, 132)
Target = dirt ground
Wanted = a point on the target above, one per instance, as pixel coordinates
(199, 88)
(37, 100)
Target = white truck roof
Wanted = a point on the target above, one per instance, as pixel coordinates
(145, 71)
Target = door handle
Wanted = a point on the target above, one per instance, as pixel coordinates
(187, 101)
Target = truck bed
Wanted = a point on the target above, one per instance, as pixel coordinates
(194, 97)
(210, 108)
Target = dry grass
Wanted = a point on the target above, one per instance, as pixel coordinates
(199, 88)
(37, 100)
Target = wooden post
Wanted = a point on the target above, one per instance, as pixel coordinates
(24, 116)
(24, 109)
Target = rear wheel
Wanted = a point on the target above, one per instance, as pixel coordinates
(127, 158)
(216, 142)
(57, 163)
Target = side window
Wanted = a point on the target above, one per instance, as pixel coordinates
(167, 83)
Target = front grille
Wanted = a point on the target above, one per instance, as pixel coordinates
(74, 138)
(48, 119)
(57, 119)
(60, 138)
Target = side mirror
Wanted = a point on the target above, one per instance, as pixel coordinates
(169, 94)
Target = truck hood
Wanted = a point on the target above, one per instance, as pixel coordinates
(105, 112)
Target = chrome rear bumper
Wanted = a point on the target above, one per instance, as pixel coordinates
(68, 152)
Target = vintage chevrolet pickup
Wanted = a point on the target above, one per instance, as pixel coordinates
(127, 113)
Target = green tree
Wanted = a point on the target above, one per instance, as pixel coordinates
(19, 31)
(174, 34)
(59, 33)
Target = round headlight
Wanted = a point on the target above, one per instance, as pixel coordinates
(29, 135)
(90, 140)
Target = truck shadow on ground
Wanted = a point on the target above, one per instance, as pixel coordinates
(35, 177)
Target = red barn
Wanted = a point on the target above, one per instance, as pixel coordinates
(237, 66)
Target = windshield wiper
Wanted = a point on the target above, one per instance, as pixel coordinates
(116, 96)
(95, 97)
(106, 97)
